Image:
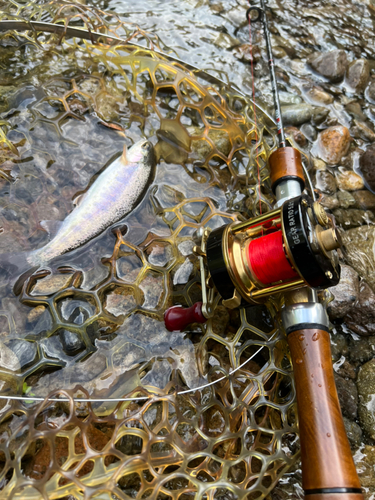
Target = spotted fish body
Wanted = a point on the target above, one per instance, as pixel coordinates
(113, 195)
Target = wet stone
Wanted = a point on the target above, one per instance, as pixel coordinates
(352, 217)
(333, 143)
(345, 293)
(349, 180)
(362, 131)
(359, 243)
(71, 342)
(35, 313)
(364, 460)
(331, 65)
(346, 199)
(354, 433)
(296, 114)
(345, 369)
(358, 75)
(297, 135)
(361, 317)
(330, 202)
(309, 132)
(51, 284)
(361, 349)
(364, 199)
(348, 396)
(24, 350)
(318, 96)
(367, 166)
(326, 182)
(366, 393)
(370, 92)
(339, 344)
(225, 41)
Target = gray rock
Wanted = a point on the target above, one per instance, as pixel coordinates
(331, 65)
(346, 199)
(330, 202)
(345, 293)
(354, 433)
(348, 396)
(361, 317)
(309, 132)
(370, 92)
(71, 342)
(24, 350)
(361, 349)
(326, 182)
(352, 217)
(296, 114)
(361, 130)
(366, 393)
(359, 244)
(367, 166)
(357, 75)
(339, 344)
(319, 114)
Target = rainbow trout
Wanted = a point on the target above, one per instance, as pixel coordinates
(114, 194)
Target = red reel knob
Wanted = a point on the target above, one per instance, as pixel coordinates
(177, 318)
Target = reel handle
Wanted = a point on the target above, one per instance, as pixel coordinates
(177, 318)
(328, 470)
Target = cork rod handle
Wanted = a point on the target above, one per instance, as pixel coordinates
(328, 470)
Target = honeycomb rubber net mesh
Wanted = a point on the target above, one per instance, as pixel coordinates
(230, 440)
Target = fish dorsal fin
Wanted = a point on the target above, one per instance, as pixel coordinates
(123, 156)
(51, 226)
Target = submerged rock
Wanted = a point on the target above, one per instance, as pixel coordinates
(366, 393)
(360, 244)
(348, 396)
(354, 433)
(331, 65)
(349, 180)
(367, 166)
(349, 218)
(364, 199)
(296, 114)
(326, 182)
(358, 75)
(333, 143)
(370, 92)
(345, 293)
(361, 317)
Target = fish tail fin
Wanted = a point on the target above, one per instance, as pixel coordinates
(15, 268)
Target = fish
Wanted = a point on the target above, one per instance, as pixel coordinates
(113, 195)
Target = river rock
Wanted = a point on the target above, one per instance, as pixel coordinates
(367, 166)
(348, 396)
(358, 75)
(24, 350)
(71, 342)
(309, 132)
(225, 41)
(364, 199)
(330, 202)
(346, 199)
(366, 397)
(364, 460)
(354, 433)
(359, 243)
(361, 317)
(325, 181)
(361, 349)
(297, 135)
(349, 180)
(247, 53)
(345, 293)
(370, 92)
(331, 65)
(316, 95)
(352, 217)
(361, 130)
(333, 143)
(296, 114)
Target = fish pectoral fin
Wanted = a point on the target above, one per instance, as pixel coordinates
(123, 156)
(78, 199)
(51, 226)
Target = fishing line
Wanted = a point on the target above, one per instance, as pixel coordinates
(32, 398)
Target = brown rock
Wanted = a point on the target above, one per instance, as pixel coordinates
(247, 53)
(297, 135)
(349, 180)
(346, 199)
(348, 396)
(367, 166)
(333, 143)
(330, 202)
(317, 95)
(362, 131)
(364, 199)
(370, 92)
(345, 293)
(332, 64)
(326, 182)
(352, 217)
(361, 317)
(359, 244)
(358, 75)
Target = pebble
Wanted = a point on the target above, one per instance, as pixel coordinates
(331, 65)
(25, 351)
(297, 135)
(51, 284)
(309, 132)
(247, 53)
(364, 199)
(362, 131)
(354, 433)
(349, 180)
(367, 167)
(348, 396)
(325, 181)
(225, 41)
(333, 143)
(35, 313)
(316, 95)
(359, 243)
(366, 392)
(287, 98)
(361, 349)
(330, 202)
(346, 199)
(352, 217)
(345, 293)
(71, 342)
(370, 92)
(358, 75)
(364, 460)
(361, 317)
(319, 164)
(296, 114)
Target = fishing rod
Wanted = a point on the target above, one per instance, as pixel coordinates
(291, 250)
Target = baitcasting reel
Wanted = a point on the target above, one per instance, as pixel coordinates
(282, 250)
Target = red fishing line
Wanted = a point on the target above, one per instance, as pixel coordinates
(267, 259)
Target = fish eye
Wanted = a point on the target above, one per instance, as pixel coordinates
(145, 145)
